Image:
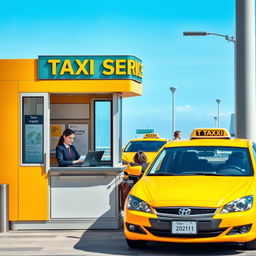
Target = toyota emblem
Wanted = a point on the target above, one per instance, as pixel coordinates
(184, 211)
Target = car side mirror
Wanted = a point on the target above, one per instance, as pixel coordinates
(134, 171)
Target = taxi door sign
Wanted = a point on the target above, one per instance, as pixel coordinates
(213, 133)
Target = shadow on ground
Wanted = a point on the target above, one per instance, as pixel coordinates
(113, 243)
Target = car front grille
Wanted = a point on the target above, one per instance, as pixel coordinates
(200, 234)
(172, 211)
(206, 227)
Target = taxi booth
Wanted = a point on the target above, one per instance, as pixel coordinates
(39, 99)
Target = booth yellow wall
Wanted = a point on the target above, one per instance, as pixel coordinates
(28, 186)
(9, 111)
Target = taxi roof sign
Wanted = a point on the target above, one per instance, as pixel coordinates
(151, 135)
(210, 133)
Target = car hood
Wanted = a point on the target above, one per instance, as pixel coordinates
(204, 191)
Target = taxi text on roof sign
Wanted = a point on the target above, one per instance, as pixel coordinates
(210, 133)
(89, 67)
(151, 135)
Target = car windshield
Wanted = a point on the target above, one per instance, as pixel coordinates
(202, 160)
(146, 146)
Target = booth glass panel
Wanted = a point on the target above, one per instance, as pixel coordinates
(102, 126)
(119, 129)
(33, 130)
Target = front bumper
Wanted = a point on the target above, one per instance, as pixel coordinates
(218, 228)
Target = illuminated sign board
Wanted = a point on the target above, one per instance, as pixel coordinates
(210, 133)
(89, 67)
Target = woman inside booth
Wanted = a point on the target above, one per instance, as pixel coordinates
(66, 153)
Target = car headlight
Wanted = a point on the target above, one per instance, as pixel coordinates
(134, 203)
(239, 205)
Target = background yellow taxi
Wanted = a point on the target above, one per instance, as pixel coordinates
(150, 144)
(197, 190)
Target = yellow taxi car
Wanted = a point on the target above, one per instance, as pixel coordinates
(150, 144)
(197, 190)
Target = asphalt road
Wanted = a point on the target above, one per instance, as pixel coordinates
(100, 242)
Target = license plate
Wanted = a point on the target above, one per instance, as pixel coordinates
(184, 227)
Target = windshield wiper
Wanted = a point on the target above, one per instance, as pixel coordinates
(187, 174)
(203, 173)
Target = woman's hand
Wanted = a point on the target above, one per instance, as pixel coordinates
(78, 161)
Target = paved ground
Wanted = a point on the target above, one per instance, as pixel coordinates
(100, 242)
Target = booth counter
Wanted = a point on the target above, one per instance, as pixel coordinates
(81, 197)
(41, 98)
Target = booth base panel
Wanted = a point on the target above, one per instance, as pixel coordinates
(67, 224)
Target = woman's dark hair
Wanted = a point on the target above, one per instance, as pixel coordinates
(140, 158)
(176, 134)
(66, 133)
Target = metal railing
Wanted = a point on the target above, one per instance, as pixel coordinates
(4, 221)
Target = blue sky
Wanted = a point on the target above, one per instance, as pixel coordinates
(202, 68)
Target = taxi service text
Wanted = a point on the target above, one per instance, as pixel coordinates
(90, 67)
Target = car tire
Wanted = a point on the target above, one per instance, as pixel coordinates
(250, 245)
(136, 243)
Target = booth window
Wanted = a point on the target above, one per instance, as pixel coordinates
(32, 130)
(102, 128)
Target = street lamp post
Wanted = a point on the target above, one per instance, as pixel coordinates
(215, 121)
(173, 89)
(229, 39)
(218, 111)
(245, 70)
(245, 103)
(203, 33)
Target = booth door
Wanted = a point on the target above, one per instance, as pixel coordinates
(35, 130)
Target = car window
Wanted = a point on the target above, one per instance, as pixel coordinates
(203, 160)
(146, 146)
